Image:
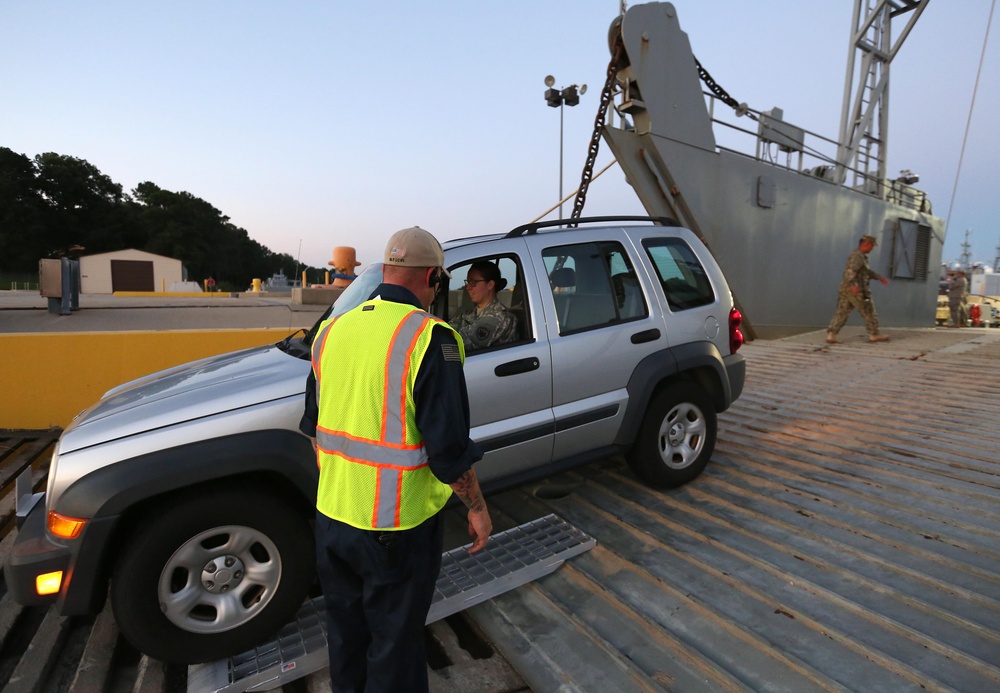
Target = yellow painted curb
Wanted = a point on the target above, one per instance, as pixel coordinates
(49, 378)
(175, 294)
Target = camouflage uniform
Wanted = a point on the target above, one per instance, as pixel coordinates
(857, 273)
(484, 327)
(956, 297)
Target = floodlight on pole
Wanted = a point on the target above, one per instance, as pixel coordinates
(557, 98)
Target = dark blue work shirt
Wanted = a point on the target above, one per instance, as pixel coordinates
(440, 398)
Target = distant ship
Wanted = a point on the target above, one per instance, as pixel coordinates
(781, 220)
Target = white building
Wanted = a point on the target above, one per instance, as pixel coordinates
(127, 270)
(984, 282)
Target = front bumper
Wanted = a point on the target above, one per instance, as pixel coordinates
(33, 554)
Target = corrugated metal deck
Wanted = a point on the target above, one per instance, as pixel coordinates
(846, 536)
(510, 559)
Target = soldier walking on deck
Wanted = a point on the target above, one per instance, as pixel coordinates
(956, 297)
(854, 293)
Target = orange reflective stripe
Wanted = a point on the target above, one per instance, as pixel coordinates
(317, 352)
(404, 378)
(387, 500)
(377, 509)
(388, 380)
(399, 500)
(377, 465)
(397, 368)
(338, 441)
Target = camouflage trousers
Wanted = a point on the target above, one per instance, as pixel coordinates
(959, 315)
(846, 302)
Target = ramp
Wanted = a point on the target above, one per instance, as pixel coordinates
(511, 559)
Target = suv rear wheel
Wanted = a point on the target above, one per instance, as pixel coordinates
(211, 575)
(676, 438)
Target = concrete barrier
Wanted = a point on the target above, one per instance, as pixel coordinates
(315, 296)
(49, 378)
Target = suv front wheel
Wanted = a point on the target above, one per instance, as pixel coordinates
(676, 438)
(212, 574)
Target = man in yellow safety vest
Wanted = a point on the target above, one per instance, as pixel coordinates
(387, 404)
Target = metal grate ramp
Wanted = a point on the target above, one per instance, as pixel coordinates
(511, 559)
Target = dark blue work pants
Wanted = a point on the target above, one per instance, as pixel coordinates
(377, 596)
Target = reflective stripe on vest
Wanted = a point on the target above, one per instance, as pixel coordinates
(357, 449)
(397, 368)
(319, 341)
(397, 457)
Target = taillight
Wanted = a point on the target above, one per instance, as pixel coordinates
(735, 333)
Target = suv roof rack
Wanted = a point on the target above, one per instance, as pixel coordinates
(534, 226)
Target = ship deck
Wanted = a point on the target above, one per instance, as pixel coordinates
(845, 536)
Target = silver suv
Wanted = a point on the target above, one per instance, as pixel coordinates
(190, 491)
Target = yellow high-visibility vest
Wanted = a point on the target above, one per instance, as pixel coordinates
(373, 471)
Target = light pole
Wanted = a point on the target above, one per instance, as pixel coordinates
(568, 96)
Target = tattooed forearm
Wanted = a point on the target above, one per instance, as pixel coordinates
(467, 489)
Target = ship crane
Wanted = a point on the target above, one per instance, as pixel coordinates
(864, 120)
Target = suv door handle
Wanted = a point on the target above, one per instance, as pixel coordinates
(646, 336)
(515, 367)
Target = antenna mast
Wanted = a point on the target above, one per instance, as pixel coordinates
(966, 260)
(864, 120)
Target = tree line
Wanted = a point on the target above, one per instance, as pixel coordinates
(53, 201)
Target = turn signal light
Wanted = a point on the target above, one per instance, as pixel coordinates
(48, 583)
(65, 526)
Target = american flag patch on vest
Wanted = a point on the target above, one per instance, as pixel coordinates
(450, 352)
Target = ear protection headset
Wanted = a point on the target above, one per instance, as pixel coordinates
(435, 278)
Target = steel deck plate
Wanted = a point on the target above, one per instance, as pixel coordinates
(511, 559)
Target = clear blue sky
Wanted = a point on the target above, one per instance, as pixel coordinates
(335, 123)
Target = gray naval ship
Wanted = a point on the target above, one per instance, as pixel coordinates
(786, 214)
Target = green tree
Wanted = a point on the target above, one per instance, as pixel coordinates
(54, 201)
(178, 225)
(22, 241)
(80, 202)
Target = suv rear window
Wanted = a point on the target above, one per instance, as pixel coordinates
(593, 284)
(683, 278)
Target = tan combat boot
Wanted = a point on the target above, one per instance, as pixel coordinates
(831, 338)
(878, 338)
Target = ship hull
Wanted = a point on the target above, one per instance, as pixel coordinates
(781, 235)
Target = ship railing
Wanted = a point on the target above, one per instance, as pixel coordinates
(781, 144)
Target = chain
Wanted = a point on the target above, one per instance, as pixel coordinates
(602, 111)
(740, 108)
(595, 138)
